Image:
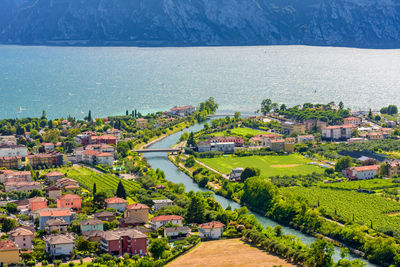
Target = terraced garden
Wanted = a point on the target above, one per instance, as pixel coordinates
(104, 182)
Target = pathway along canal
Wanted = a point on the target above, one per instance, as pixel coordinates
(173, 174)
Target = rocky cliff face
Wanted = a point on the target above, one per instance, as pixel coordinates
(360, 23)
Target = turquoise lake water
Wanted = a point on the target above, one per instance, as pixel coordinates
(110, 80)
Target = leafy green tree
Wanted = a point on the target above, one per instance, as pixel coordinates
(157, 247)
(196, 209)
(384, 169)
(343, 163)
(249, 172)
(278, 230)
(266, 106)
(11, 207)
(121, 190)
(320, 254)
(8, 224)
(98, 200)
(190, 162)
(191, 142)
(237, 116)
(123, 148)
(259, 193)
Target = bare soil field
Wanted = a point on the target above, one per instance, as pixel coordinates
(231, 252)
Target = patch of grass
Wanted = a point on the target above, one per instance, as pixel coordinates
(240, 132)
(366, 208)
(293, 164)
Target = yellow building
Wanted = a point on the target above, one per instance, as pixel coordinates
(141, 123)
(289, 147)
(137, 210)
(293, 127)
(9, 252)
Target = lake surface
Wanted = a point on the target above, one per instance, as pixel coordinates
(172, 173)
(110, 80)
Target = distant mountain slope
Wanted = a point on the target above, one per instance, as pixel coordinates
(360, 23)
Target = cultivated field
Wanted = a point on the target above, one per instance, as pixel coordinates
(269, 165)
(366, 208)
(372, 184)
(231, 252)
(104, 182)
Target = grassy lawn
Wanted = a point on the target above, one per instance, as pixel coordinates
(104, 182)
(230, 252)
(383, 213)
(293, 164)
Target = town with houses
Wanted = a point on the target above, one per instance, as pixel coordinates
(52, 211)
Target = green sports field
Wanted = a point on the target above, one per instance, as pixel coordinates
(241, 132)
(269, 165)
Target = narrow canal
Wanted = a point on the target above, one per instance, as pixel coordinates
(173, 174)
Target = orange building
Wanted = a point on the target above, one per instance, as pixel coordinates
(37, 203)
(69, 201)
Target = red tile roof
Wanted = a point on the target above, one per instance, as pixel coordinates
(54, 174)
(137, 206)
(69, 196)
(104, 137)
(54, 213)
(212, 225)
(104, 155)
(115, 200)
(7, 245)
(91, 152)
(366, 168)
(166, 218)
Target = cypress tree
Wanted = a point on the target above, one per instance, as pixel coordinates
(94, 189)
(127, 113)
(90, 116)
(121, 190)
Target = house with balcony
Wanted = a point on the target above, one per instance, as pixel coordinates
(22, 237)
(211, 230)
(91, 225)
(56, 225)
(59, 245)
(37, 203)
(116, 203)
(49, 214)
(362, 172)
(69, 201)
(120, 241)
(162, 220)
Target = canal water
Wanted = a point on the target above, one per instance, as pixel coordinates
(173, 174)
